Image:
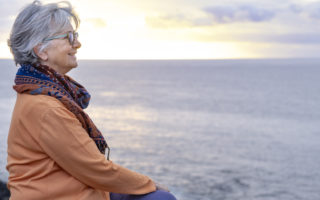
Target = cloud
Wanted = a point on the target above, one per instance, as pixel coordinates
(287, 38)
(314, 10)
(11, 7)
(239, 13)
(170, 21)
(299, 38)
(8, 11)
(295, 8)
(97, 22)
(309, 10)
(212, 15)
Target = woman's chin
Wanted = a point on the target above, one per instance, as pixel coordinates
(69, 67)
(73, 61)
(74, 65)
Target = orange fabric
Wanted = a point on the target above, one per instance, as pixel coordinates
(50, 156)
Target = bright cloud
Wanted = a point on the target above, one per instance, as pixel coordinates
(241, 13)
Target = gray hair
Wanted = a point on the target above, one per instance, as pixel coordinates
(34, 24)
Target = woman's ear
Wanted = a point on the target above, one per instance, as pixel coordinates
(41, 54)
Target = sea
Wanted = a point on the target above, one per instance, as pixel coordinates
(245, 129)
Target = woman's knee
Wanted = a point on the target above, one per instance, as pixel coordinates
(156, 195)
(163, 195)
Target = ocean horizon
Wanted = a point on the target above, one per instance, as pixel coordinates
(208, 129)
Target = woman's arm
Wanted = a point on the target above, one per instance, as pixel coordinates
(68, 144)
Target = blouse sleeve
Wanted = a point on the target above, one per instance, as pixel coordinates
(63, 138)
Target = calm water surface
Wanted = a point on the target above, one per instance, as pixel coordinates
(209, 130)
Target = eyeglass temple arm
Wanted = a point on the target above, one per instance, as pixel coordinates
(56, 37)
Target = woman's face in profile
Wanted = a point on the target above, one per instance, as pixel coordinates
(61, 54)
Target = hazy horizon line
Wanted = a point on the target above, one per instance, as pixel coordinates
(186, 59)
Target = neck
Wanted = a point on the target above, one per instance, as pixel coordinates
(56, 68)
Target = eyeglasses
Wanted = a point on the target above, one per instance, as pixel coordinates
(72, 36)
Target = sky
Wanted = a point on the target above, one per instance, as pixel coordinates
(188, 29)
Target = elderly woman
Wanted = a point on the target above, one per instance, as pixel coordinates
(54, 149)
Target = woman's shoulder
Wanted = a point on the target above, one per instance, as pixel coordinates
(37, 104)
(39, 100)
(30, 110)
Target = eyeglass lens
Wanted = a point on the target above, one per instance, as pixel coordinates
(72, 36)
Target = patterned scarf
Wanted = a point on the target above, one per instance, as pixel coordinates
(41, 79)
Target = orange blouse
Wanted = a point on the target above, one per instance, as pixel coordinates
(50, 156)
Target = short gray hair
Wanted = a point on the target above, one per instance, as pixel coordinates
(34, 24)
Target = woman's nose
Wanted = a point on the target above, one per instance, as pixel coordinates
(76, 44)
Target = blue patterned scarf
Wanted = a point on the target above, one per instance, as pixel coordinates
(41, 79)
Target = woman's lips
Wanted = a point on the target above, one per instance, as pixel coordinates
(72, 54)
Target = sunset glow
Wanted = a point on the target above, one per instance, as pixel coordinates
(188, 29)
